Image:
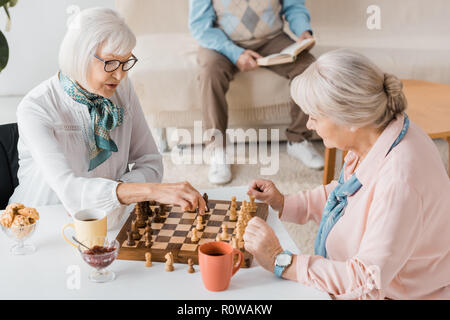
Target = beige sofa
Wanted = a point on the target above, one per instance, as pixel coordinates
(413, 42)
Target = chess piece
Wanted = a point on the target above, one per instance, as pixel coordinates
(157, 217)
(162, 209)
(234, 243)
(143, 210)
(225, 236)
(130, 240)
(252, 206)
(140, 221)
(148, 259)
(244, 205)
(219, 237)
(169, 261)
(134, 230)
(199, 225)
(233, 214)
(191, 266)
(205, 197)
(148, 239)
(194, 236)
(149, 209)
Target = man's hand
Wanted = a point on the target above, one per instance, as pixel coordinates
(247, 60)
(306, 35)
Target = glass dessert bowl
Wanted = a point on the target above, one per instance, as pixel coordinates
(100, 257)
(20, 233)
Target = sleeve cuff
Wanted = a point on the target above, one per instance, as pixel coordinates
(233, 52)
(302, 268)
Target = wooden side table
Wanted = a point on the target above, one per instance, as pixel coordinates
(428, 107)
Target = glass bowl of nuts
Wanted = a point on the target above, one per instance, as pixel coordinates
(19, 223)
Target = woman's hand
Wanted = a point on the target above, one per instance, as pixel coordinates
(260, 240)
(180, 193)
(265, 191)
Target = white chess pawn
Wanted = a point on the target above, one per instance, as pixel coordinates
(252, 204)
(194, 236)
(234, 243)
(233, 214)
(199, 225)
(225, 235)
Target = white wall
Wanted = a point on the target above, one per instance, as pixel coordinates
(38, 27)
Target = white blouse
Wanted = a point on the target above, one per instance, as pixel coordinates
(54, 151)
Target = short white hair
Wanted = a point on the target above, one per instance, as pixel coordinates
(349, 89)
(89, 29)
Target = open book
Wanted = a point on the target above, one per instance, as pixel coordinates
(287, 55)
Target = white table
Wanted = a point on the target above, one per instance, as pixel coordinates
(51, 272)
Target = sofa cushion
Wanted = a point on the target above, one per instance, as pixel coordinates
(166, 81)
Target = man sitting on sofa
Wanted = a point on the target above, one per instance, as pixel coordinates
(232, 35)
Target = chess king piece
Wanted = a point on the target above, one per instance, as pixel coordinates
(199, 225)
(148, 259)
(194, 236)
(191, 266)
(169, 261)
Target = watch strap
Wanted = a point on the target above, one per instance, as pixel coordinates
(278, 270)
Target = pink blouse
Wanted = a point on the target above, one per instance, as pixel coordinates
(393, 239)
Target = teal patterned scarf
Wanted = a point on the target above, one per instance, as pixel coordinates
(105, 116)
(337, 200)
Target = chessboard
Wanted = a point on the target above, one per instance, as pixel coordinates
(171, 231)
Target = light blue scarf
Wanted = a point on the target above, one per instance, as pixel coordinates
(105, 116)
(337, 200)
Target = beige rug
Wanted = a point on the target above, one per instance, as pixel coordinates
(292, 177)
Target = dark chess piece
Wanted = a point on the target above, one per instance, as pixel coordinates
(162, 208)
(143, 210)
(205, 197)
(157, 217)
(148, 209)
(134, 231)
(140, 221)
(148, 239)
(130, 240)
(148, 228)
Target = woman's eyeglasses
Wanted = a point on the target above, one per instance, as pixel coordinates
(113, 65)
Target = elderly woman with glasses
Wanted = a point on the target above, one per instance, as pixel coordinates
(83, 138)
(384, 226)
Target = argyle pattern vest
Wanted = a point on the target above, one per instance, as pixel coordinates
(249, 20)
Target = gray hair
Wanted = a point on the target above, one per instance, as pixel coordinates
(88, 30)
(349, 89)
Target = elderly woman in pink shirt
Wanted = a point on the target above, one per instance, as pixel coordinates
(384, 226)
